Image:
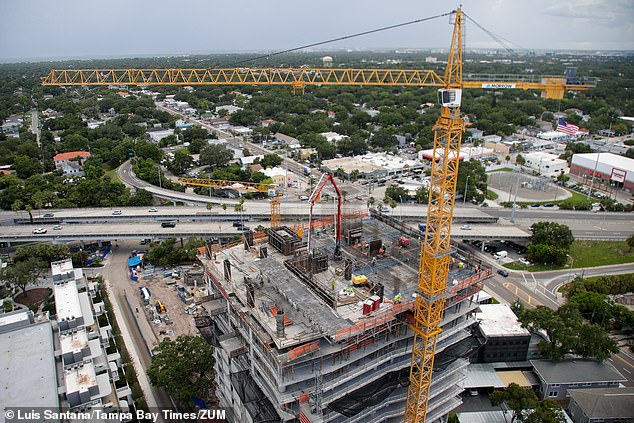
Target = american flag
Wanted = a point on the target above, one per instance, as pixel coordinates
(567, 128)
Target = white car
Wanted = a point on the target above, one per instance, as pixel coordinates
(39, 231)
(524, 261)
(57, 227)
(153, 210)
(117, 213)
(466, 227)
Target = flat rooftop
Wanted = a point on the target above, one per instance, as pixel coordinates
(74, 342)
(27, 367)
(67, 300)
(499, 320)
(576, 371)
(80, 379)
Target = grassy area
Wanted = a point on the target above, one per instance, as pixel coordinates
(576, 196)
(504, 169)
(112, 174)
(492, 195)
(587, 254)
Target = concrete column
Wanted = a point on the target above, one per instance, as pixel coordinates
(483, 244)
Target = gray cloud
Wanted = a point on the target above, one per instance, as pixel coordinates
(80, 28)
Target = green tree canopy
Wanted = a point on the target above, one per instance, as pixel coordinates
(184, 367)
(215, 156)
(270, 160)
(551, 233)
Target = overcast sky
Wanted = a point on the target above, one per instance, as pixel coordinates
(31, 29)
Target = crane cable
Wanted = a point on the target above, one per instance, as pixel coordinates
(499, 39)
(332, 40)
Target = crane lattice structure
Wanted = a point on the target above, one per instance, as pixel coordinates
(272, 190)
(436, 248)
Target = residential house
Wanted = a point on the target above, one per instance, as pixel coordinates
(245, 162)
(332, 137)
(557, 377)
(291, 142)
(12, 124)
(603, 405)
(230, 109)
(71, 163)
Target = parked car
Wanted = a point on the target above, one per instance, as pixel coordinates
(535, 205)
(39, 231)
(117, 213)
(57, 227)
(524, 261)
(503, 273)
(549, 205)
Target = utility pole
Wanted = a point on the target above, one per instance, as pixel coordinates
(517, 185)
(464, 200)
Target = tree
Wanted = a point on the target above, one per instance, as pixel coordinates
(551, 233)
(215, 156)
(630, 153)
(270, 160)
(507, 158)
(520, 160)
(181, 163)
(396, 193)
(567, 333)
(519, 400)
(23, 273)
(184, 367)
(630, 242)
(563, 178)
(167, 253)
(26, 166)
(476, 187)
(422, 195)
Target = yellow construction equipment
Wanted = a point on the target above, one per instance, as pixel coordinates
(435, 249)
(359, 280)
(273, 191)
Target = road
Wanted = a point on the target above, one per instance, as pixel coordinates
(135, 331)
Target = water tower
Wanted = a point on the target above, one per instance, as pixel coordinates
(327, 60)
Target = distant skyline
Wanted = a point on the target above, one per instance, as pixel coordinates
(38, 29)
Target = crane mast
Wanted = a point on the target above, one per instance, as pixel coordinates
(436, 248)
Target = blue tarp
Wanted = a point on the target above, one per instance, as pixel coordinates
(134, 261)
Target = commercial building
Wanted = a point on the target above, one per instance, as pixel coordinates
(71, 163)
(67, 362)
(607, 405)
(545, 163)
(280, 176)
(505, 338)
(295, 338)
(466, 153)
(557, 377)
(372, 165)
(28, 375)
(158, 133)
(607, 169)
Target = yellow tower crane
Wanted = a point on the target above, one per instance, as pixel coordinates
(271, 189)
(436, 248)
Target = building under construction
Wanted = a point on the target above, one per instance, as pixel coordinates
(301, 336)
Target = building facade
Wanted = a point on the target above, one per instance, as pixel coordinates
(71, 163)
(608, 169)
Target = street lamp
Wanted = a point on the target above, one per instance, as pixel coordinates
(571, 266)
(464, 200)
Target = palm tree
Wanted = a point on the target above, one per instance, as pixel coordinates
(29, 210)
(224, 208)
(17, 206)
(371, 201)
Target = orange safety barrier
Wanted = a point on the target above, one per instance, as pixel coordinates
(303, 350)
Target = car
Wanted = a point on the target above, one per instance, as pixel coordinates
(48, 215)
(549, 205)
(237, 224)
(153, 210)
(466, 227)
(473, 392)
(117, 213)
(524, 261)
(39, 231)
(57, 227)
(503, 273)
(535, 205)
(303, 198)
(168, 224)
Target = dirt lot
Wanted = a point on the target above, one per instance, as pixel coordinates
(176, 321)
(33, 296)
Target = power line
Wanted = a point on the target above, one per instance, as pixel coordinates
(346, 37)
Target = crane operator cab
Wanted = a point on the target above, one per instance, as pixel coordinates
(450, 97)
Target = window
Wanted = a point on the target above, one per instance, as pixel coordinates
(555, 385)
(552, 394)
